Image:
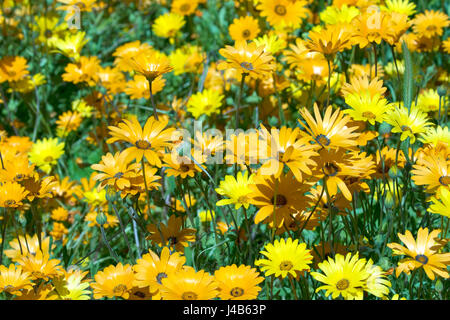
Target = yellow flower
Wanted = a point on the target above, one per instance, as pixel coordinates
(167, 25)
(186, 59)
(206, 102)
(45, 153)
(187, 284)
(236, 189)
(271, 42)
(248, 59)
(283, 13)
(366, 107)
(376, 283)
(114, 281)
(428, 100)
(335, 15)
(433, 136)
(27, 245)
(285, 257)
(422, 253)
(151, 269)
(184, 7)
(13, 69)
(172, 234)
(399, 6)
(72, 286)
(430, 23)
(14, 279)
(238, 283)
(441, 203)
(67, 122)
(40, 266)
(12, 194)
(408, 123)
(244, 28)
(151, 65)
(71, 45)
(344, 276)
(146, 142)
(60, 214)
(82, 108)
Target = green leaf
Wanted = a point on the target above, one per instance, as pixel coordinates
(408, 77)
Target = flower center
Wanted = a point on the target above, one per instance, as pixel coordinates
(139, 294)
(247, 65)
(423, 259)
(373, 34)
(323, 140)
(431, 28)
(172, 240)
(246, 33)
(286, 265)
(142, 144)
(118, 175)
(406, 128)
(280, 201)
(444, 180)
(369, 115)
(19, 177)
(342, 284)
(330, 169)
(237, 292)
(189, 295)
(185, 7)
(120, 289)
(10, 202)
(48, 159)
(160, 276)
(48, 33)
(280, 10)
(184, 168)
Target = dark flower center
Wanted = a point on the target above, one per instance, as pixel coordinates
(286, 265)
(406, 128)
(48, 159)
(323, 140)
(369, 115)
(10, 202)
(48, 33)
(237, 292)
(423, 259)
(160, 276)
(247, 65)
(330, 169)
(139, 294)
(142, 144)
(120, 289)
(189, 295)
(184, 168)
(279, 201)
(280, 10)
(185, 7)
(246, 33)
(444, 180)
(342, 284)
(118, 175)
(172, 240)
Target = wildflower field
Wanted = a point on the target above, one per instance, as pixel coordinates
(217, 149)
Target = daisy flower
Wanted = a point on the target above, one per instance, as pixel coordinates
(421, 253)
(285, 257)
